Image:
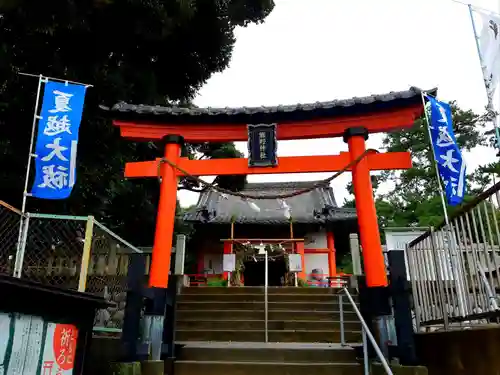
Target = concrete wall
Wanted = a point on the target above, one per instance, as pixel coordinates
(462, 352)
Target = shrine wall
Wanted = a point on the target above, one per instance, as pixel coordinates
(316, 261)
(213, 254)
(315, 240)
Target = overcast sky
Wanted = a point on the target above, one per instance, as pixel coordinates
(320, 50)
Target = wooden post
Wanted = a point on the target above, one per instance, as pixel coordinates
(373, 258)
(232, 237)
(162, 248)
(332, 264)
(87, 246)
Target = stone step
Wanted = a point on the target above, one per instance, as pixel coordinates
(258, 289)
(265, 368)
(194, 313)
(310, 336)
(267, 354)
(259, 297)
(256, 305)
(260, 324)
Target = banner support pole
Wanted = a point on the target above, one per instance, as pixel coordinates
(21, 244)
(55, 79)
(41, 80)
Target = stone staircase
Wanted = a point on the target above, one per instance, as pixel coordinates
(222, 330)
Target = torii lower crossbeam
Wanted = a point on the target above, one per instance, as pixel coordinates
(291, 164)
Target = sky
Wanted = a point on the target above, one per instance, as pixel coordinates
(320, 50)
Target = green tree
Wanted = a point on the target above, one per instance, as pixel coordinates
(150, 52)
(485, 175)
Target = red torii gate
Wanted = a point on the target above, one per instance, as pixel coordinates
(353, 119)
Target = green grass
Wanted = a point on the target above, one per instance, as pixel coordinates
(216, 282)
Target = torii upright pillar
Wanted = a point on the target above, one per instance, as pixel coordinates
(160, 263)
(373, 292)
(373, 257)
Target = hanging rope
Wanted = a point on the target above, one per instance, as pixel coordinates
(318, 184)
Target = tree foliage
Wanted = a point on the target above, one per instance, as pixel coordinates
(139, 51)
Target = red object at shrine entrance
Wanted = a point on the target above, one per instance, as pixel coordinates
(354, 119)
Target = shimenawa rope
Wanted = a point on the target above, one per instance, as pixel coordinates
(318, 184)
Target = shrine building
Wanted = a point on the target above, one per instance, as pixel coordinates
(312, 221)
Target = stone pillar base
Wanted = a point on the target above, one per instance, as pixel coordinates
(125, 368)
(152, 367)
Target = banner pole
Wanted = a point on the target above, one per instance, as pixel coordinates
(497, 122)
(41, 79)
(475, 6)
(21, 244)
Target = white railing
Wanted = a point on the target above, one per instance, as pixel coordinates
(366, 334)
(455, 269)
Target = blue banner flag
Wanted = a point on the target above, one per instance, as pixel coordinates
(451, 165)
(57, 140)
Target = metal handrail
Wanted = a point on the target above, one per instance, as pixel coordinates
(366, 333)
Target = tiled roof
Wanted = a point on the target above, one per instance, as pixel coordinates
(302, 207)
(271, 114)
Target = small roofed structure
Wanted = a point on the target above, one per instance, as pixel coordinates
(313, 216)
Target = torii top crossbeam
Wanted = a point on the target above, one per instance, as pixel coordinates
(352, 118)
(376, 113)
